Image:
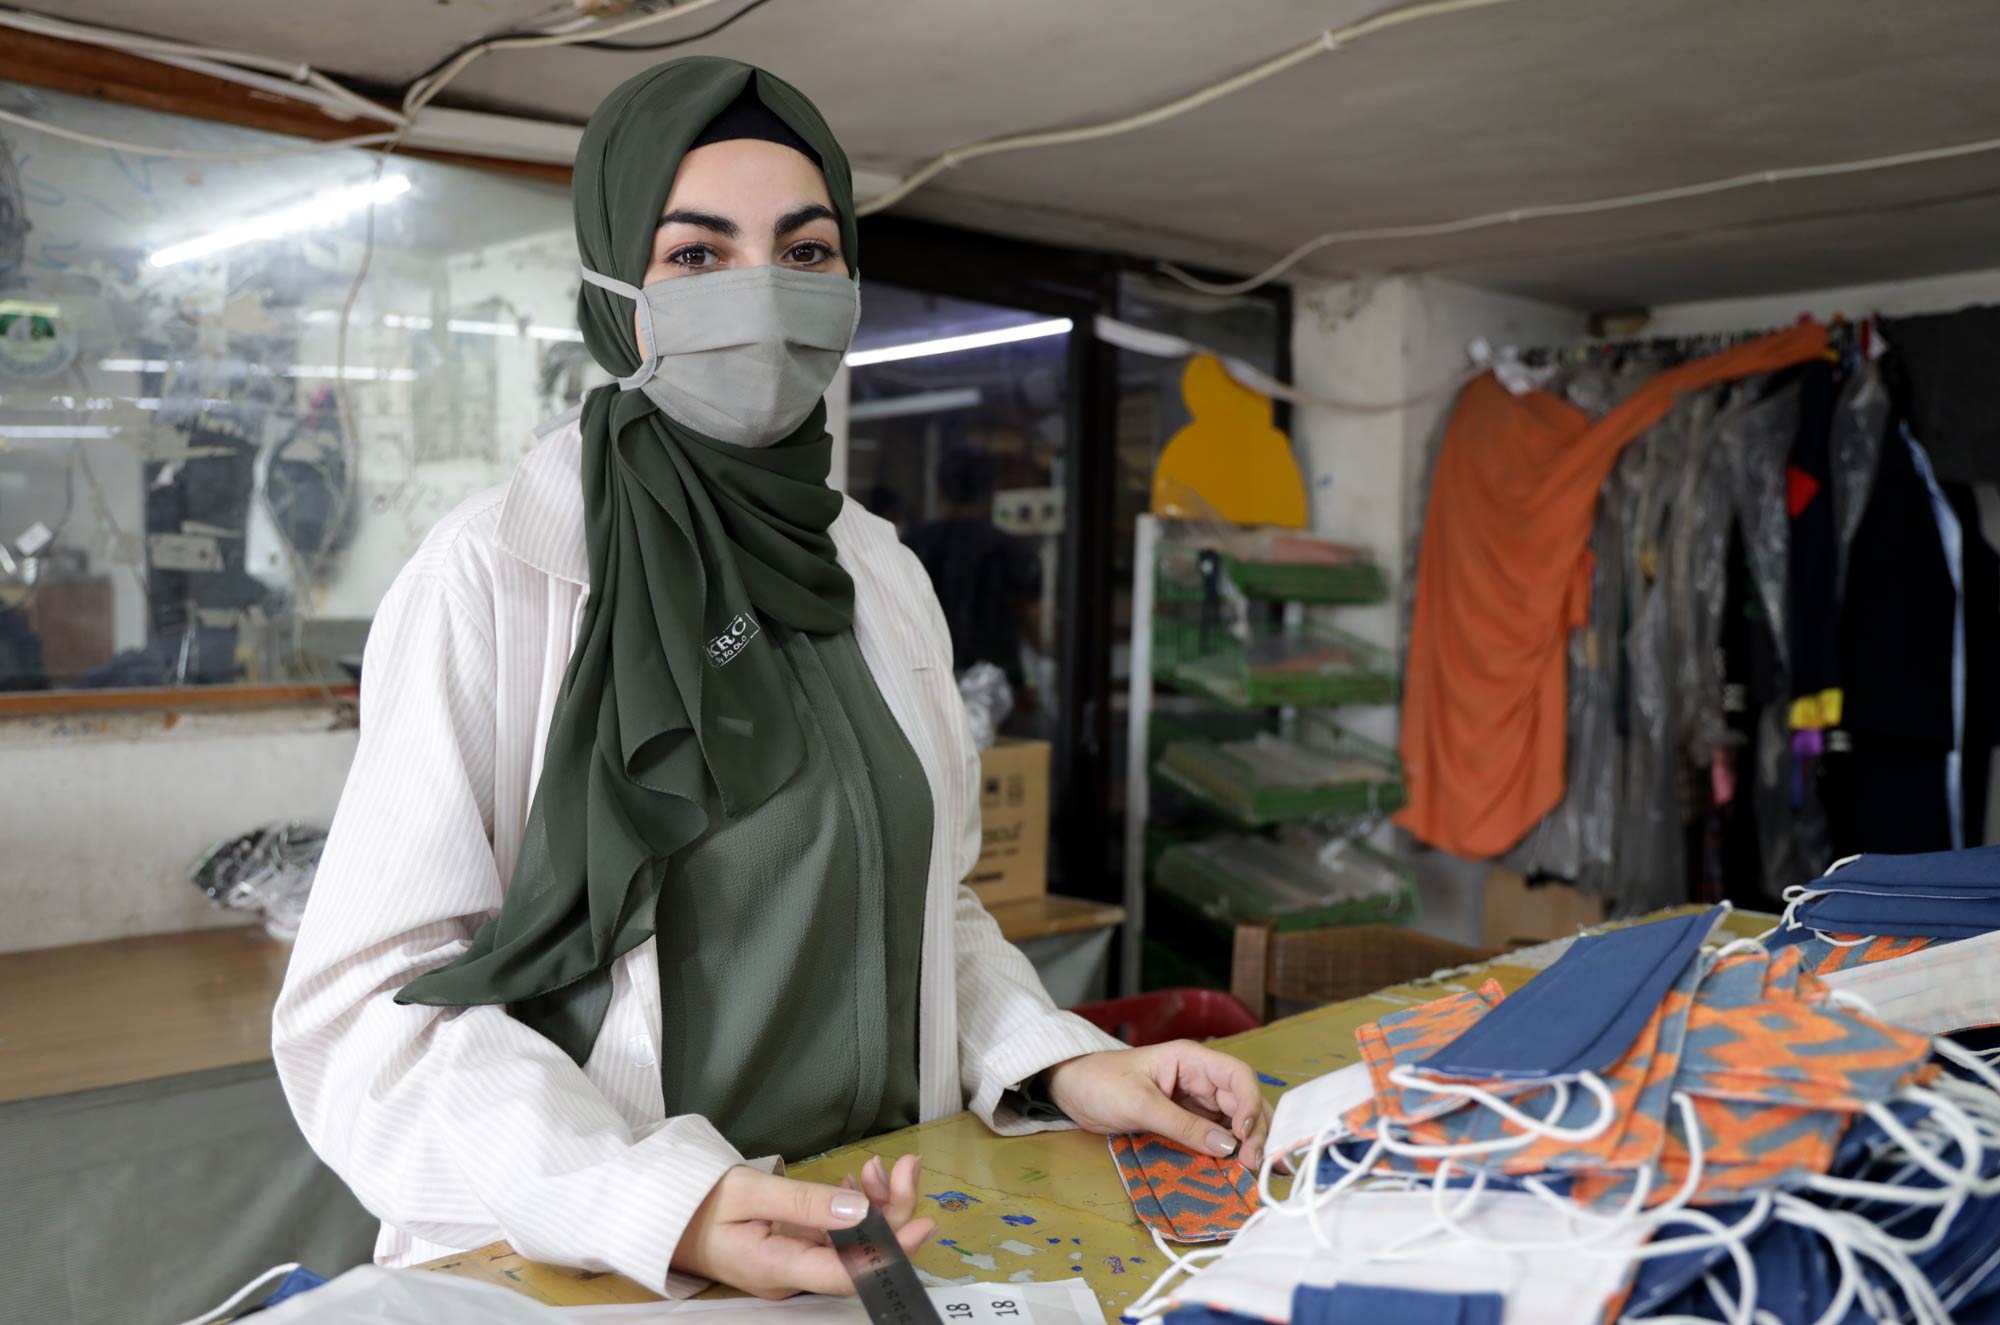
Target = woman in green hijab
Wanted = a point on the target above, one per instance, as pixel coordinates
(650, 857)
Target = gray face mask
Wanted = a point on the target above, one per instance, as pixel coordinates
(741, 356)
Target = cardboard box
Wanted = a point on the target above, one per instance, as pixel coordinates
(1518, 915)
(1014, 822)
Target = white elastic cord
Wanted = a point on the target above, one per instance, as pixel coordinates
(1180, 1264)
(1632, 1213)
(1734, 946)
(1304, 1171)
(1730, 1237)
(1795, 896)
(1536, 1128)
(1865, 1239)
(638, 297)
(1980, 1105)
(1447, 1220)
(1635, 1204)
(1947, 1115)
(241, 1295)
(1355, 1173)
(1852, 1281)
(1734, 1308)
(1967, 1059)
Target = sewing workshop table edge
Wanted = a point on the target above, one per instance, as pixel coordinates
(1051, 1204)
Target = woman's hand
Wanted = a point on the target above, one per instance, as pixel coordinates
(767, 1235)
(1182, 1090)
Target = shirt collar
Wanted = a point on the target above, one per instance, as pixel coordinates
(541, 522)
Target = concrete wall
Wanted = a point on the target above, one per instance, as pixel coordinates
(105, 814)
(1401, 339)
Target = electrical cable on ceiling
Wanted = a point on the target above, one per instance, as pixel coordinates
(153, 47)
(1165, 345)
(672, 42)
(1326, 42)
(213, 61)
(1542, 211)
(591, 41)
(419, 94)
(426, 89)
(193, 154)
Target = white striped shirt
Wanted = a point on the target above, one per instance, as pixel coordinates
(459, 1127)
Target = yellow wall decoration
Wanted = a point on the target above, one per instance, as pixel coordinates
(1229, 455)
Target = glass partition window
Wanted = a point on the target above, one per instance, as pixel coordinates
(957, 427)
(218, 444)
(1151, 409)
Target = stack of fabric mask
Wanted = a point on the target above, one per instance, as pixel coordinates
(1917, 937)
(1652, 1129)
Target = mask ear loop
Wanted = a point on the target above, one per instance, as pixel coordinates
(650, 341)
(1398, 1145)
(1840, 1228)
(1980, 1106)
(1972, 1062)
(1183, 1264)
(1865, 1239)
(1631, 1214)
(1734, 946)
(1794, 897)
(1643, 1184)
(1853, 1284)
(1305, 1184)
(1732, 1237)
(1728, 1236)
(1533, 1129)
(1320, 1200)
(1946, 1112)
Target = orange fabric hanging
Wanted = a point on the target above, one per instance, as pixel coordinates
(1502, 578)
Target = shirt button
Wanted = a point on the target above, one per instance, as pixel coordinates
(642, 1051)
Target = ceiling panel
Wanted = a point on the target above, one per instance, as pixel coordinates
(1519, 104)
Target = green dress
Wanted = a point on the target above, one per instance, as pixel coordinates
(790, 940)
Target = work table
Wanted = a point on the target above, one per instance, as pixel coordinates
(109, 1014)
(1041, 1207)
(138, 1009)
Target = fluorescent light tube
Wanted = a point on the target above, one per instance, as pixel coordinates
(10, 431)
(352, 373)
(977, 340)
(918, 402)
(323, 209)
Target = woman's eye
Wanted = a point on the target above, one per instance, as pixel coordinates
(808, 254)
(694, 257)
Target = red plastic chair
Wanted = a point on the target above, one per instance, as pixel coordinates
(1170, 1014)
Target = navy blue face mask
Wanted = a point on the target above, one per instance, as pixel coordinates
(1584, 1012)
(1939, 894)
(1346, 1304)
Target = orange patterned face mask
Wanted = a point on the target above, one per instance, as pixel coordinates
(1788, 1051)
(1406, 1037)
(1847, 950)
(1640, 1083)
(1181, 1194)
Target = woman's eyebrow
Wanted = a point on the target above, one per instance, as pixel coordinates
(805, 215)
(721, 225)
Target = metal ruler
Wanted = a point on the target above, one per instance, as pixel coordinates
(883, 1277)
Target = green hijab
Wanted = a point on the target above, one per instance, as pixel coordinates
(691, 541)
